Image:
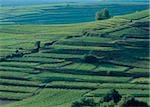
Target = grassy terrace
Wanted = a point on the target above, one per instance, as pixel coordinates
(80, 48)
(17, 89)
(85, 41)
(19, 82)
(98, 85)
(54, 55)
(17, 69)
(22, 34)
(18, 64)
(55, 65)
(35, 60)
(54, 94)
(97, 68)
(57, 75)
(139, 71)
(137, 15)
(86, 78)
(13, 96)
(141, 80)
(13, 75)
(134, 92)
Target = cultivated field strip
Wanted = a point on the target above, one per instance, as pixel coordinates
(81, 85)
(35, 60)
(134, 92)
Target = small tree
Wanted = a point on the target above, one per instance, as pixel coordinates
(76, 104)
(103, 14)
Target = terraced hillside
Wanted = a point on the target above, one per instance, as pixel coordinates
(58, 74)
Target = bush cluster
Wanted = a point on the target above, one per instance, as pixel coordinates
(91, 59)
(111, 99)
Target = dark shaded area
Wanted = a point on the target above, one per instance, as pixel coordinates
(112, 95)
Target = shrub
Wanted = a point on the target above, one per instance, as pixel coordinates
(113, 95)
(128, 101)
(91, 59)
(112, 99)
(76, 104)
(103, 14)
(108, 104)
(84, 102)
(88, 102)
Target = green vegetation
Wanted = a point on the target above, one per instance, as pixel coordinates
(137, 15)
(13, 96)
(141, 80)
(19, 82)
(33, 60)
(91, 59)
(75, 61)
(134, 92)
(86, 78)
(51, 97)
(16, 89)
(110, 99)
(131, 101)
(15, 64)
(24, 36)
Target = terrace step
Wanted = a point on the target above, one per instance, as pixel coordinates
(87, 44)
(69, 87)
(77, 51)
(84, 72)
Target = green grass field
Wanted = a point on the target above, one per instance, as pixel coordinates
(58, 75)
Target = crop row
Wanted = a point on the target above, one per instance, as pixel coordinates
(46, 76)
(35, 60)
(51, 97)
(13, 96)
(134, 92)
(54, 55)
(97, 68)
(18, 64)
(99, 85)
(17, 69)
(65, 47)
(56, 65)
(13, 75)
(86, 41)
(19, 82)
(141, 80)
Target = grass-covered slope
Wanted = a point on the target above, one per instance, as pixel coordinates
(13, 37)
(70, 12)
(57, 75)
